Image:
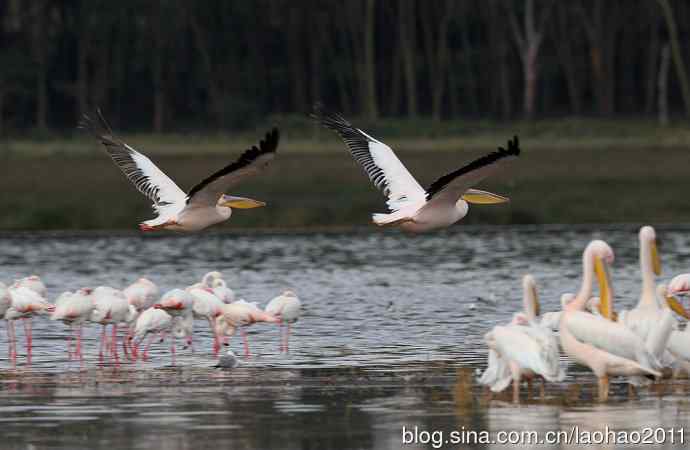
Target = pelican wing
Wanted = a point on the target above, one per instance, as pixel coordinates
(251, 162)
(610, 337)
(531, 348)
(450, 187)
(377, 159)
(143, 173)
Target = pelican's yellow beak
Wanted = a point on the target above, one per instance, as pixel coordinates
(677, 308)
(479, 197)
(656, 261)
(537, 306)
(240, 202)
(605, 294)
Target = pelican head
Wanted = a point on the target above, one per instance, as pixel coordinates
(648, 244)
(664, 295)
(603, 256)
(530, 298)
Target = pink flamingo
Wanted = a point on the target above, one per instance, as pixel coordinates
(287, 308)
(207, 306)
(110, 307)
(241, 314)
(25, 304)
(152, 321)
(141, 295)
(74, 309)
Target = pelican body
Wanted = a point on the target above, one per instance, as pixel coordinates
(606, 347)
(522, 349)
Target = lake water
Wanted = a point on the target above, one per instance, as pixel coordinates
(390, 337)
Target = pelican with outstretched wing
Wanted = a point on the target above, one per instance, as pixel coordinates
(206, 203)
(412, 207)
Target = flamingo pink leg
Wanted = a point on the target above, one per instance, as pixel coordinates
(12, 352)
(287, 338)
(246, 341)
(69, 344)
(172, 349)
(79, 353)
(145, 355)
(113, 344)
(27, 334)
(282, 344)
(102, 344)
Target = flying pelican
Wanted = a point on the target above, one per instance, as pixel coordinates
(647, 314)
(286, 307)
(522, 349)
(74, 309)
(412, 208)
(206, 203)
(606, 347)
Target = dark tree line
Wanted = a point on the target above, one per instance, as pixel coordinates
(177, 64)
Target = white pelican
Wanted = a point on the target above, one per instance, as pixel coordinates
(152, 321)
(413, 208)
(523, 349)
(606, 347)
(74, 309)
(285, 307)
(26, 302)
(648, 312)
(679, 341)
(206, 203)
(110, 307)
(241, 314)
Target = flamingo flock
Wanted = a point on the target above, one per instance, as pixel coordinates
(641, 344)
(142, 314)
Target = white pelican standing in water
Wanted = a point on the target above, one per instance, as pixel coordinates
(522, 349)
(413, 208)
(679, 342)
(606, 347)
(647, 314)
(206, 203)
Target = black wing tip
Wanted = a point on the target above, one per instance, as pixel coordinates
(513, 147)
(328, 118)
(96, 124)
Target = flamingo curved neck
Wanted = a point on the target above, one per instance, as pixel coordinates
(648, 297)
